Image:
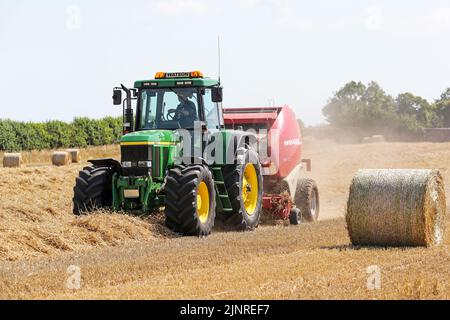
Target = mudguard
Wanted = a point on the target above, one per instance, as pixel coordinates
(111, 163)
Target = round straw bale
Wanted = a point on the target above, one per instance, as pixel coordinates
(74, 155)
(60, 158)
(378, 138)
(12, 160)
(397, 208)
(374, 139)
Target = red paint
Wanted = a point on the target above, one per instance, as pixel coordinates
(285, 147)
(284, 135)
(280, 206)
(249, 118)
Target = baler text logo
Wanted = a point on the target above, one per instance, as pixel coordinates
(293, 142)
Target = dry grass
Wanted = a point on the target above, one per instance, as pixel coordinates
(127, 257)
(305, 262)
(36, 218)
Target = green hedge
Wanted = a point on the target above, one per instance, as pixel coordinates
(82, 132)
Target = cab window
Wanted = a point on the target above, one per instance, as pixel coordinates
(170, 108)
(212, 117)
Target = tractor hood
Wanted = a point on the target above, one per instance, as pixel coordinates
(151, 137)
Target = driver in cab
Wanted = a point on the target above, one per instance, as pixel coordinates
(186, 112)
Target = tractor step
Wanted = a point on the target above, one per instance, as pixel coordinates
(225, 203)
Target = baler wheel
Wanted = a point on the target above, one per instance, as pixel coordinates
(307, 200)
(93, 190)
(190, 200)
(295, 216)
(244, 183)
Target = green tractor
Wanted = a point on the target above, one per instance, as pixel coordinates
(167, 159)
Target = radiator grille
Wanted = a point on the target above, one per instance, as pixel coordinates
(134, 154)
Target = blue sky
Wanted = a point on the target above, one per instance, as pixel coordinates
(60, 59)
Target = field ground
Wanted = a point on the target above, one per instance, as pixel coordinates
(128, 257)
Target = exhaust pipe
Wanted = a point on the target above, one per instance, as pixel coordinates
(128, 117)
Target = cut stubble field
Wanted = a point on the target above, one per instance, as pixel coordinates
(128, 257)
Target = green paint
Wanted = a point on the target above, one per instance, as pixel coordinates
(222, 199)
(148, 193)
(172, 83)
(165, 136)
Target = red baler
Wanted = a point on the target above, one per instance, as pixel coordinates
(280, 145)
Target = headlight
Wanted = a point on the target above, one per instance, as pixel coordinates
(144, 164)
(127, 164)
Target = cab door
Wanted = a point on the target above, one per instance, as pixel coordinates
(214, 124)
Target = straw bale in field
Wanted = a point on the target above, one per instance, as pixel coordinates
(74, 155)
(397, 208)
(60, 158)
(12, 160)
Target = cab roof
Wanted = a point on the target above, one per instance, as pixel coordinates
(178, 82)
(177, 79)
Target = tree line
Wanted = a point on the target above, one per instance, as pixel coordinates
(81, 132)
(369, 109)
(359, 108)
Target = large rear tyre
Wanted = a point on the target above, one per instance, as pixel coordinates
(244, 183)
(190, 200)
(93, 190)
(307, 200)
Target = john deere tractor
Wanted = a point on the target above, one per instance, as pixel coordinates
(176, 154)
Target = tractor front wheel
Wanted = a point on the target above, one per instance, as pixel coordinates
(93, 190)
(190, 200)
(244, 183)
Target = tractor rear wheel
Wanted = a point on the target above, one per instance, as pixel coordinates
(307, 200)
(190, 200)
(93, 190)
(244, 183)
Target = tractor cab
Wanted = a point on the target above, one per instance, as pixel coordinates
(172, 101)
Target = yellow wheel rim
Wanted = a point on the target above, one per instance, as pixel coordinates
(203, 202)
(250, 189)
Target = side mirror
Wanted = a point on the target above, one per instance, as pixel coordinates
(217, 94)
(117, 97)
